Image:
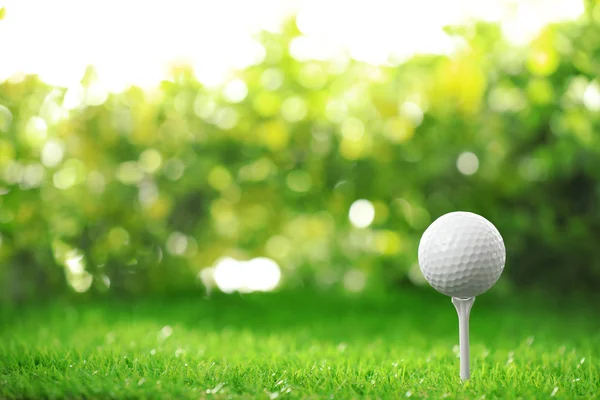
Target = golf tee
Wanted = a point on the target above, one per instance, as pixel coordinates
(463, 308)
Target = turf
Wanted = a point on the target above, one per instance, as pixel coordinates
(298, 345)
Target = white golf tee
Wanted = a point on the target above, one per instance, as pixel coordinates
(463, 308)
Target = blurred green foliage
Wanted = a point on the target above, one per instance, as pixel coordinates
(138, 191)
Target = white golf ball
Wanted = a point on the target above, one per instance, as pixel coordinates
(461, 254)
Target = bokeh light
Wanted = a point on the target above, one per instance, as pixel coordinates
(467, 163)
(257, 274)
(362, 213)
(354, 280)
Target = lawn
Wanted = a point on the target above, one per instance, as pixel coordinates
(298, 345)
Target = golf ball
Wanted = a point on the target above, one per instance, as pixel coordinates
(461, 254)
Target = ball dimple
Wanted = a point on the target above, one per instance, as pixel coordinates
(461, 254)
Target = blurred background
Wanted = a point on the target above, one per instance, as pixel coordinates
(271, 145)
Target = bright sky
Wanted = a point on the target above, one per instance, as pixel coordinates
(133, 42)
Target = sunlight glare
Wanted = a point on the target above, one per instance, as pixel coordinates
(217, 38)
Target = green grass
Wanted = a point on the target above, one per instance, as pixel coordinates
(297, 345)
